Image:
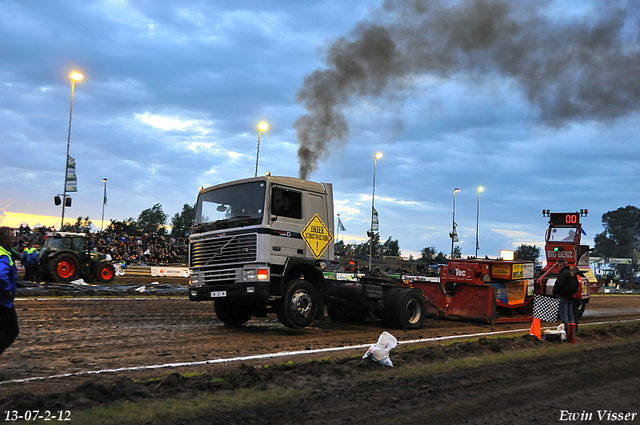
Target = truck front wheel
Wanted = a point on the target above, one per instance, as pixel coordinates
(299, 304)
(231, 313)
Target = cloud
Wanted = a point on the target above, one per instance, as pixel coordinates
(534, 101)
(167, 123)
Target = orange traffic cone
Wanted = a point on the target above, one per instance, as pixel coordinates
(535, 328)
(571, 335)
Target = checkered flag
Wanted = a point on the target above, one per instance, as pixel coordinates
(546, 308)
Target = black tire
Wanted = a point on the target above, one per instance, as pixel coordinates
(408, 309)
(578, 308)
(231, 313)
(387, 299)
(105, 272)
(63, 268)
(298, 305)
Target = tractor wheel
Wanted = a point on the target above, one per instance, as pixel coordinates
(299, 304)
(231, 313)
(64, 268)
(105, 272)
(408, 309)
(578, 308)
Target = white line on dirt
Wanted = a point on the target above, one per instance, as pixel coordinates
(279, 354)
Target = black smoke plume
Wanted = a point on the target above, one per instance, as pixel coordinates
(580, 68)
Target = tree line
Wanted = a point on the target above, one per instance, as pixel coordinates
(619, 239)
(151, 221)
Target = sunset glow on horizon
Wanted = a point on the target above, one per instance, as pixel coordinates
(15, 219)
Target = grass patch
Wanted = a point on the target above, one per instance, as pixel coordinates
(164, 375)
(173, 410)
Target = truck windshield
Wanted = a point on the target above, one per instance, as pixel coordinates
(237, 205)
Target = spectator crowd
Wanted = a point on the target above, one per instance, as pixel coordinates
(145, 249)
(122, 248)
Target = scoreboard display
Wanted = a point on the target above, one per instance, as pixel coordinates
(564, 219)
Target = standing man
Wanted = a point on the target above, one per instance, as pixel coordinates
(8, 284)
(30, 261)
(566, 285)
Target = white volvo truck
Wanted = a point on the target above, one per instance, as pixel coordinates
(258, 246)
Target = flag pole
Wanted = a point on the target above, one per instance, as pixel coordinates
(104, 202)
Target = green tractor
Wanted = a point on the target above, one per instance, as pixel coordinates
(66, 257)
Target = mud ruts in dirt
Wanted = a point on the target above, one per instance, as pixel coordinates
(480, 393)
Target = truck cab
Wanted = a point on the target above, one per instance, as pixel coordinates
(255, 247)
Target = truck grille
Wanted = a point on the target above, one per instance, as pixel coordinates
(223, 251)
(220, 276)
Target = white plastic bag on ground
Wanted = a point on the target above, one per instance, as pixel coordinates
(78, 282)
(562, 332)
(556, 335)
(379, 351)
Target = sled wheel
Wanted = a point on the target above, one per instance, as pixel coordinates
(408, 310)
(299, 304)
(231, 313)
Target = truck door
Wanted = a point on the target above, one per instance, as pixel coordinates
(315, 205)
(287, 222)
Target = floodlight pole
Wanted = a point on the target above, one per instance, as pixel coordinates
(73, 77)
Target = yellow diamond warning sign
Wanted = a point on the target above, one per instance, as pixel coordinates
(317, 236)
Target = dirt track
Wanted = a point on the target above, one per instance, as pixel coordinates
(61, 336)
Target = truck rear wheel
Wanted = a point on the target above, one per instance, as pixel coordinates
(299, 304)
(388, 297)
(231, 313)
(64, 268)
(408, 309)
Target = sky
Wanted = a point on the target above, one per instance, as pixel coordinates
(536, 102)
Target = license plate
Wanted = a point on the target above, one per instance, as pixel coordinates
(218, 294)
